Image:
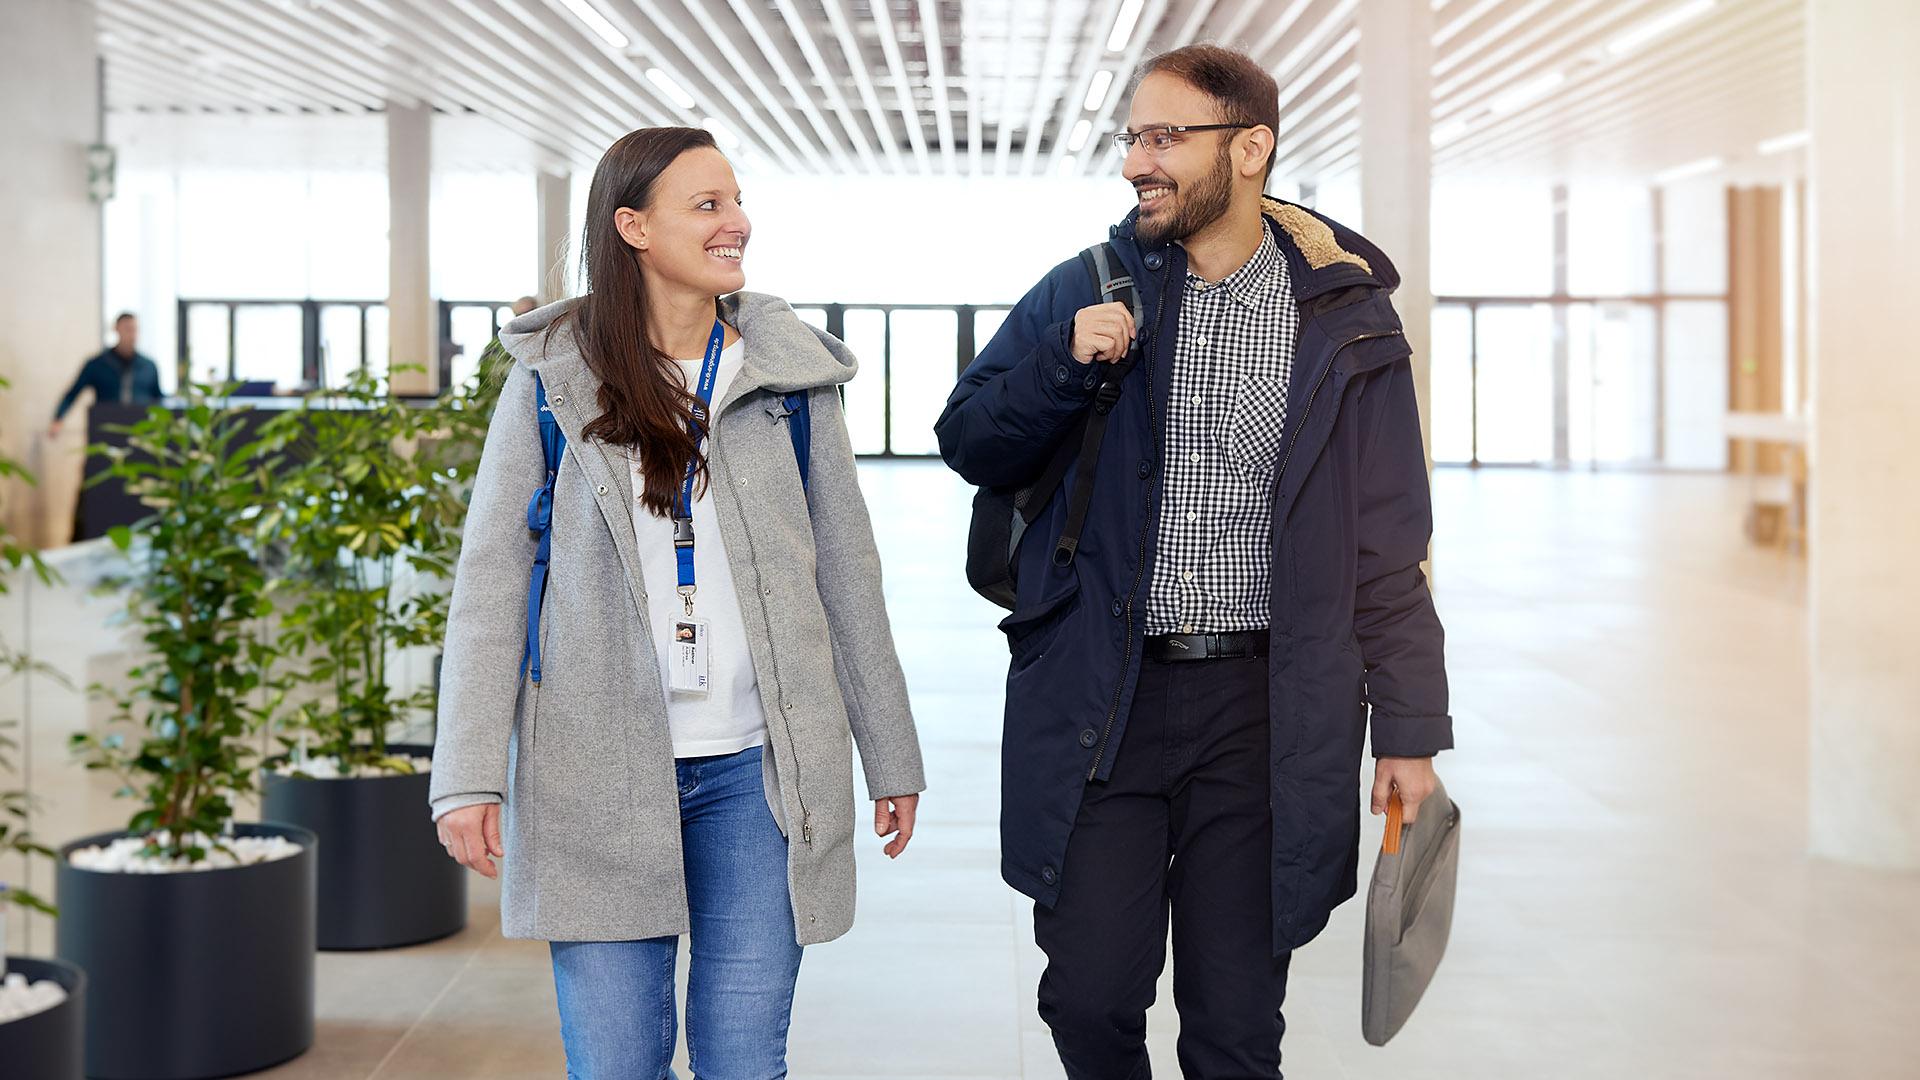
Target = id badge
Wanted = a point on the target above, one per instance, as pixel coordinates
(689, 666)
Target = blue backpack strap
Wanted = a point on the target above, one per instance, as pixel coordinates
(800, 428)
(553, 443)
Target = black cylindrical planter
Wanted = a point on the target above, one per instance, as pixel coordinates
(385, 880)
(47, 1045)
(196, 974)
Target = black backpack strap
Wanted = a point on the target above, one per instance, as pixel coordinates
(1111, 283)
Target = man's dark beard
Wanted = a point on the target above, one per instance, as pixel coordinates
(1195, 208)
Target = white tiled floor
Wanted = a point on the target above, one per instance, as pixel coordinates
(1630, 705)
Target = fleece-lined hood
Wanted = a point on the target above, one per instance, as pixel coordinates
(1322, 253)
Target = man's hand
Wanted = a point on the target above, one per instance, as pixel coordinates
(895, 815)
(1102, 332)
(1411, 776)
(471, 835)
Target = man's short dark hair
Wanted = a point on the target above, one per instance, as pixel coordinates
(123, 317)
(1243, 90)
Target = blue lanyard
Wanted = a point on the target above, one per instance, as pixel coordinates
(683, 512)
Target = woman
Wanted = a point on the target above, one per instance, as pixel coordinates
(675, 758)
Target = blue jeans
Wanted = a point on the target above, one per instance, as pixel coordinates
(616, 997)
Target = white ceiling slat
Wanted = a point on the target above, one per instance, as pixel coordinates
(326, 54)
(863, 83)
(1314, 42)
(1003, 133)
(1060, 33)
(166, 89)
(797, 144)
(1325, 129)
(903, 90)
(1459, 19)
(744, 120)
(1650, 76)
(824, 77)
(1144, 36)
(1093, 46)
(1511, 27)
(1266, 42)
(234, 55)
(935, 50)
(796, 87)
(1555, 42)
(1229, 35)
(970, 89)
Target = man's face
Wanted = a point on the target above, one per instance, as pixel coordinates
(1189, 186)
(127, 334)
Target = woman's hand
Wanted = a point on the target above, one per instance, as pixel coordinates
(891, 816)
(471, 835)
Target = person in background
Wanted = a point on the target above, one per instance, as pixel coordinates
(495, 362)
(1190, 689)
(119, 374)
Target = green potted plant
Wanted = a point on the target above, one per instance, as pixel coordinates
(42, 1001)
(363, 517)
(197, 934)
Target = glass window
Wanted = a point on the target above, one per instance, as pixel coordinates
(339, 343)
(1694, 247)
(472, 329)
(1696, 384)
(1450, 395)
(920, 376)
(1609, 240)
(986, 323)
(866, 394)
(1610, 383)
(378, 352)
(208, 343)
(1514, 388)
(1492, 239)
(484, 240)
(812, 316)
(267, 344)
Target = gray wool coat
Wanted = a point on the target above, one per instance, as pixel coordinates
(583, 759)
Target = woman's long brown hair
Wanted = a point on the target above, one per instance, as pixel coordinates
(643, 403)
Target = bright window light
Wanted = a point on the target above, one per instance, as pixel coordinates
(1071, 163)
(1690, 169)
(1097, 90)
(1658, 25)
(1527, 92)
(596, 22)
(1077, 141)
(1123, 24)
(1780, 144)
(670, 87)
(721, 133)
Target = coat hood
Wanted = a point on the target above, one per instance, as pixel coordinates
(783, 354)
(1322, 253)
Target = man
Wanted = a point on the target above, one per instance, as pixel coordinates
(117, 374)
(1189, 690)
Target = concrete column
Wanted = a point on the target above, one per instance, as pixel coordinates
(414, 332)
(1396, 163)
(554, 192)
(1864, 597)
(50, 234)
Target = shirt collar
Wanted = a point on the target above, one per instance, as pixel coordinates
(1248, 284)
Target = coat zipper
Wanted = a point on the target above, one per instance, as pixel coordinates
(1306, 411)
(1140, 558)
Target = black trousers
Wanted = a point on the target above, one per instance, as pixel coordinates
(1181, 832)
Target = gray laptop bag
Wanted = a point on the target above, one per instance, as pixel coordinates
(1409, 911)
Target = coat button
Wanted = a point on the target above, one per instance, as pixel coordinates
(1145, 469)
(1088, 738)
(1145, 333)
(558, 400)
(1060, 374)
(1154, 260)
(1116, 609)
(1089, 380)
(1047, 875)
(602, 489)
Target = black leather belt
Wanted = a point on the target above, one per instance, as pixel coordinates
(1167, 648)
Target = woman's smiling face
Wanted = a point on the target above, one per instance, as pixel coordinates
(694, 232)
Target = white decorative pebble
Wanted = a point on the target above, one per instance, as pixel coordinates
(328, 768)
(20, 999)
(127, 855)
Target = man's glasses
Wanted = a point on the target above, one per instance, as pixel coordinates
(1158, 140)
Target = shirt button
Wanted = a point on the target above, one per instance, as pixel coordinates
(1194, 457)
(1196, 399)
(1192, 516)
(1202, 342)
(1088, 738)
(1186, 575)
(1186, 628)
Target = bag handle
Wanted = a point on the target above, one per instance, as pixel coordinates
(1390, 844)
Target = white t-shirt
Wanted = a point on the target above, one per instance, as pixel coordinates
(728, 717)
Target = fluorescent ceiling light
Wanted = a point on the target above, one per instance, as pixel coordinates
(1690, 169)
(721, 133)
(1077, 141)
(1449, 131)
(1123, 24)
(1097, 90)
(1659, 24)
(1069, 165)
(670, 88)
(596, 22)
(1527, 92)
(1780, 144)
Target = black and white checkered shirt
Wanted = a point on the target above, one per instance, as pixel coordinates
(1228, 403)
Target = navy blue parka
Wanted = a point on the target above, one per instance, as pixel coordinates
(1353, 633)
